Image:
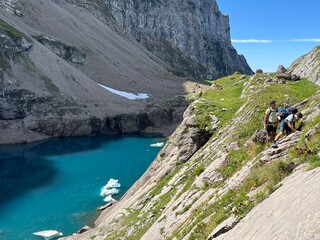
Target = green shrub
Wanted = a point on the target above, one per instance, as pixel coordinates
(199, 169)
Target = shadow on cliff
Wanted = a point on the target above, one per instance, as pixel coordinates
(24, 168)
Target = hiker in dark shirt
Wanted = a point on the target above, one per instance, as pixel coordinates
(270, 120)
(288, 125)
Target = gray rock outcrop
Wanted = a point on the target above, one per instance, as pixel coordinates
(260, 136)
(281, 69)
(308, 66)
(62, 50)
(289, 213)
(11, 6)
(196, 31)
(12, 43)
(283, 75)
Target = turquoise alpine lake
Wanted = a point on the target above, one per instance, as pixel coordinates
(56, 185)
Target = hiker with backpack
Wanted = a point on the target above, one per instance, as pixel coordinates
(270, 120)
(287, 124)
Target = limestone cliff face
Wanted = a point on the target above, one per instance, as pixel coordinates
(193, 37)
(308, 66)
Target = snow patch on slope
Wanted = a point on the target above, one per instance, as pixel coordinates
(127, 95)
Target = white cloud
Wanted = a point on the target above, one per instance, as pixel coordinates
(251, 41)
(305, 40)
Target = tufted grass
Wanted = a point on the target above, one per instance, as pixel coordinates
(308, 148)
(235, 202)
(222, 103)
(11, 31)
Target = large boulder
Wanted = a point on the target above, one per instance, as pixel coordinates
(295, 77)
(11, 112)
(11, 44)
(281, 69)
(215, 87)
(260, 136)
(285, 76)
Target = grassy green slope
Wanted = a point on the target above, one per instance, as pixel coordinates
(255, 101)
(245, 99)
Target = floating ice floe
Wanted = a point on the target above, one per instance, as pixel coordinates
(109, 199)
(112, 183)
(105, 192)
(127, 95)
(48, 234)
(160, 144)
(111, 188)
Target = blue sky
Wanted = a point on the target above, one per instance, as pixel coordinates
(280, 30)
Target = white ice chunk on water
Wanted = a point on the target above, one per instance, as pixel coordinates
(160, 144)
(112, 183)
(111, 188)
(109, 199)
(105, 191)
(127, 95)
(48, 234)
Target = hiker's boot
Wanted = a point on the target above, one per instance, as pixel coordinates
(274, 145)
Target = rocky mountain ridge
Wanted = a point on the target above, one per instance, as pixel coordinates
(192, 37)
(308, 66)
(211, 180)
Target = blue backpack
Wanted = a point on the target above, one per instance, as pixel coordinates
(285, 112)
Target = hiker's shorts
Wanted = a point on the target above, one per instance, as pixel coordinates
(271, 128)
(284, 127)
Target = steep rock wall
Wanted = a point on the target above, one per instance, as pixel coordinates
(191, 36)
